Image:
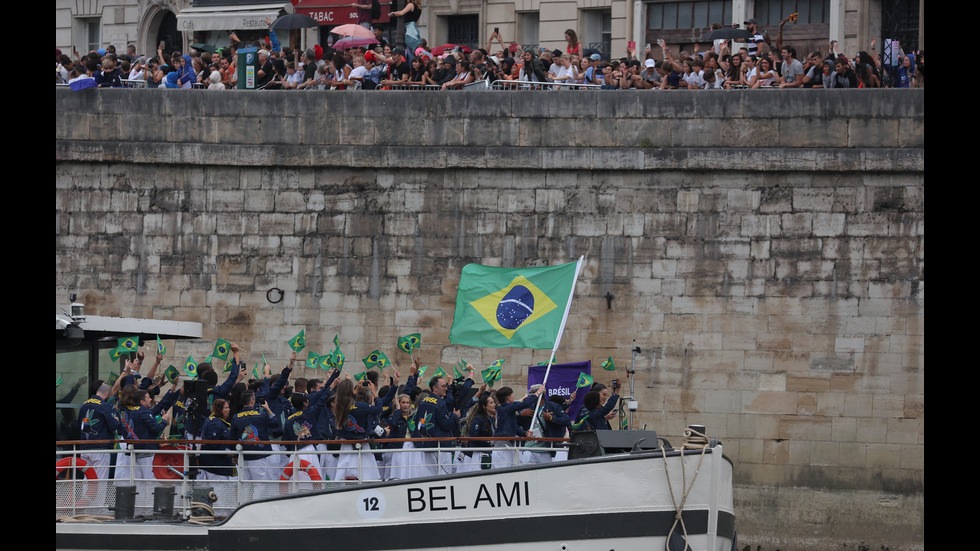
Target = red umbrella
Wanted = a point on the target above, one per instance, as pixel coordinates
(445, 47)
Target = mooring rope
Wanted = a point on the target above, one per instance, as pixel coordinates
(693, 440)
(201, 519)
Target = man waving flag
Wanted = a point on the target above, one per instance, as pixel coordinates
(512, 307)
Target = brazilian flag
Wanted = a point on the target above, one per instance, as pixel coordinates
(457, 374)
(608, 365)
(553, 361)
(338, 358)
(128, 344)
(360, 376)
(221, 349)
(255, 371)
(190, 367)
(161, 349)
(439, 373)
(171, 374)
(492, 373)
(313, 360)
(584, 380)
(115, 353)
(410, 343)
(298, 342)
(376, 359)
(515, 307)
(421, 375)
(112, 379)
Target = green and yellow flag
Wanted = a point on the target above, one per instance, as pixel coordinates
(337, 359)
(115, 353)
(360, 376)
(313, 360)
(298, 342)
(410, 343)
(58, 382)
(516, 307)
(128, 344)
(553, 361)
(584, 380)
(460, 369)
(171, 374)
(112, 379)
(256, 372)
(221, 349)
(608, 365)
(161, 349)
(376, 359)
(190, 367)
(492, 373)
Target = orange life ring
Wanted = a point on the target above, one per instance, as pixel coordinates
(304, 465)
(164, 463)
(74, 463)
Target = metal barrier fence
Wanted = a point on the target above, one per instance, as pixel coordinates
(80, 492)
(528, 85)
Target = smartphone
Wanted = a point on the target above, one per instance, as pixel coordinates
(631, 45)
(161, 43)
(496, 30)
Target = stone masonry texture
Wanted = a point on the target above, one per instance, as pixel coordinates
(764, 249)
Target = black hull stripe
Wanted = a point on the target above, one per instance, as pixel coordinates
(463, 533)
(448, 534)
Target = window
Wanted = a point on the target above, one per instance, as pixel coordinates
(88, 34)
(528, 24)
(771, 12)
(689, 15)
(598, 31)
(464, 29)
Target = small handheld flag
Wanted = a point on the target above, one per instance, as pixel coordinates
(298, 342)
(336, 342)
(190, 367)
(313, 360)
(171, 374)
(492, 373)
(360, 376)
(161, 349)
(221, 349)
(58, 382)
(112, 378)
(376, 359)
(410, 343)
(128, 344)
(553, 361)
(608, 365)
(115, 353)
(584, 380)
(255, 371)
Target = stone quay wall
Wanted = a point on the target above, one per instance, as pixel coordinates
(764, 249)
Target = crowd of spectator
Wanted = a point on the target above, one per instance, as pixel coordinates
(310, 418)
(757, 63)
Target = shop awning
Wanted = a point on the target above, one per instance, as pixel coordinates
(227, 18)
(336, 12)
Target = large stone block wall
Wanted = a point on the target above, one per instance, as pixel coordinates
(764, 249)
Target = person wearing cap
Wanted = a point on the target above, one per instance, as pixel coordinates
(265, 70)
(752, 25)
(649, 77)
(398, 70)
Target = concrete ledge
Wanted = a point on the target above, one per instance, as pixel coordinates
(893, 159)
(783, 119)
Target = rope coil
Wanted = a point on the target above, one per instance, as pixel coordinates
(693, 440)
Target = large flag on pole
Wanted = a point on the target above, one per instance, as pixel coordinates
(516, 307)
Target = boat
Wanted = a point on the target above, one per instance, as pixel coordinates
(619, 489)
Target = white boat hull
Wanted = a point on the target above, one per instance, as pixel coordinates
(620, 501)
(615, 502)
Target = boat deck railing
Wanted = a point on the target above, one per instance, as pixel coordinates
(81, 493)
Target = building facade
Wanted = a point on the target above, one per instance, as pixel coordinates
(607, 26)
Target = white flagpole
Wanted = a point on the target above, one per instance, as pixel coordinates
(568, 306)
